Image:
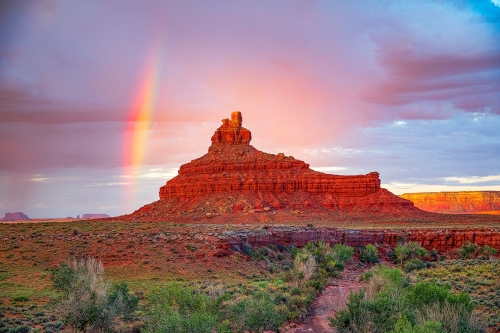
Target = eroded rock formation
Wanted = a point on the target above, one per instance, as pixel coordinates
(235, 178)
(17, 216)
(470, 202)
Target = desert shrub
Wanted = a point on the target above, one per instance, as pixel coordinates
(121, 296)
(488, 252)
(342, 253)
(390, 303)
(246, 248)
(403, 325)
(255, 314)
(63, 277)
(369, 253)
(177, 308)
(408, 251)
(192, 247)
(20, 298)
(304, 267)
(401, 253)
(467, 250)
(293, 251)
(434, 254)
(351, 320)
(413, 264)
(86, 304)
(330, 259)
(265, 251)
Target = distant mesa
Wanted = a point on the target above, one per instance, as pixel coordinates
(465, 202)
(94, 216)
(234, 180)
(17, 216)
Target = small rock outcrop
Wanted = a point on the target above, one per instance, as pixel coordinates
(231, 132)
(235, 178)
(17, 216)
(465, 202)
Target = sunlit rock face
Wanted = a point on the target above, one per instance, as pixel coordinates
(466, 202)
(235, 178)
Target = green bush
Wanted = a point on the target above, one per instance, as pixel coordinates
(413, 265)
(488, 252)
(121, 297)
(467, 250)
(403, 325)
(246, 248)
(180, 309)
(390, 304)
(255, 314)
(409, 251)
(342, 253)
(293, 251)
(369, 253)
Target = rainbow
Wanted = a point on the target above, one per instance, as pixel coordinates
(139, 121)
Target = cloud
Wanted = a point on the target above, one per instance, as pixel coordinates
(407, 88)
(473, 179)
(37, 179)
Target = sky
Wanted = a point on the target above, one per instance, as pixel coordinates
(102, 101)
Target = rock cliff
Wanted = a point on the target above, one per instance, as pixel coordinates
(439, 239)
(457, 202)
(235, 178)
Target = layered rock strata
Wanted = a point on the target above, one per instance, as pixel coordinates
(235, 178)
(439, 239)
(465, 202)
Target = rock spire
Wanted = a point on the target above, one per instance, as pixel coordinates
(231, 132)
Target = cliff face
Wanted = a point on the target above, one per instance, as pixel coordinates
(438, 239)
(457, 202)
(235, 178)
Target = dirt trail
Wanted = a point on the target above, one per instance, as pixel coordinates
(332, 299)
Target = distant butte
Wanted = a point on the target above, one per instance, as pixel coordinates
(17, 216)
(463, 202)
(234, 180)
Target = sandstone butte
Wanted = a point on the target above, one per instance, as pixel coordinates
(466, 202)
(17, 216)
(234, 179)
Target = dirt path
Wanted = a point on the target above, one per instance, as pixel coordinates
(332, 299)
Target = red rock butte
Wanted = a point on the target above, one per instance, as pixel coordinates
(235, 179)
